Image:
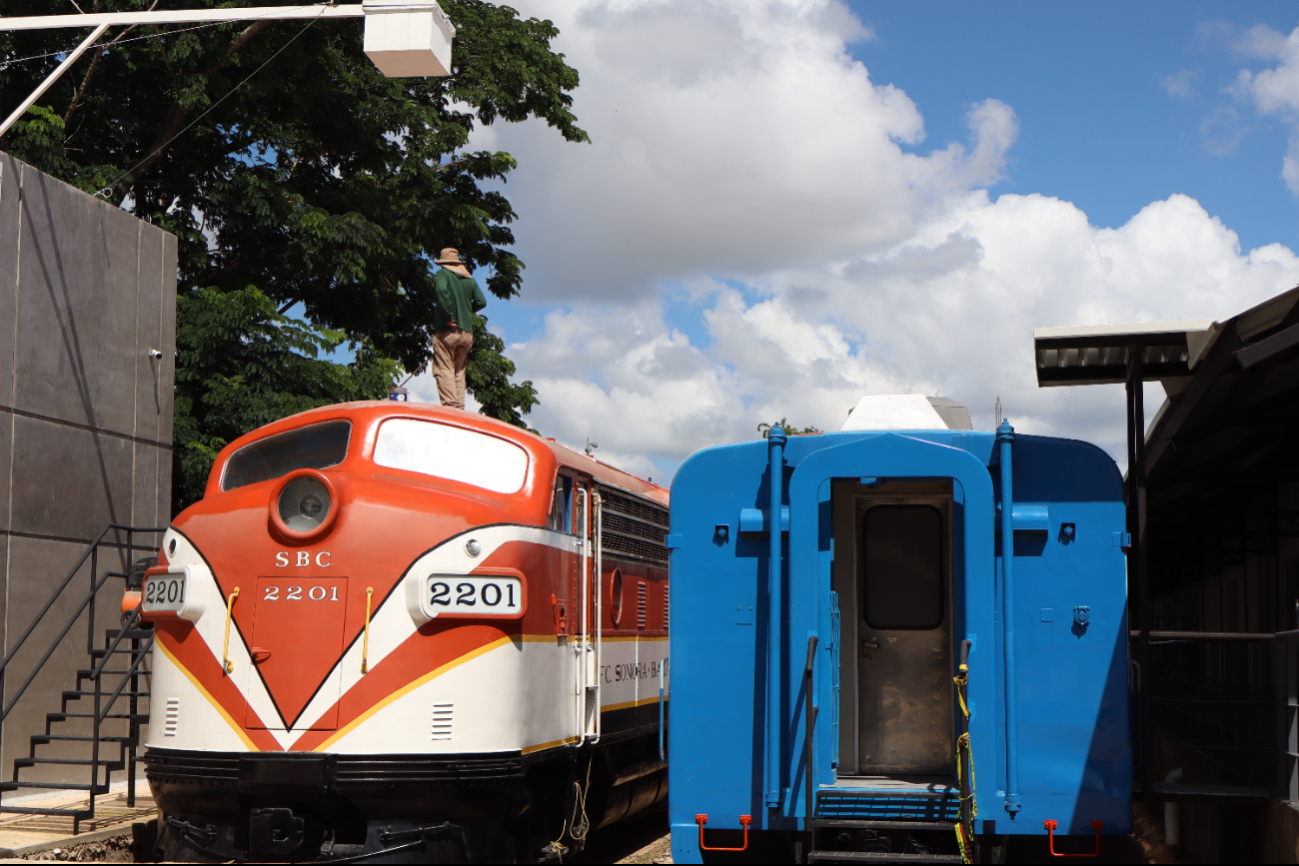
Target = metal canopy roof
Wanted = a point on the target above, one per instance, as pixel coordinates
(1237, 414)
(1098, 354)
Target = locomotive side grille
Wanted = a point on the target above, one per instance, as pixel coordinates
(666, 606)
(171, 718)
(442, 721)
(351, 771)
(642, 606)
(633, 528)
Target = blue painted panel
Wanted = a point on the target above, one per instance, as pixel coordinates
(1074, 756)
(1030, 518)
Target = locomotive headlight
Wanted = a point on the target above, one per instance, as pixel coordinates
(304, 503)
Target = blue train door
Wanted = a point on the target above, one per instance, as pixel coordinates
(893, 572)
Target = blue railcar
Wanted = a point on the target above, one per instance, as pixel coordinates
(890, 573)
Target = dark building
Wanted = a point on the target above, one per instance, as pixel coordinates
(87, 351)
(1214, 567)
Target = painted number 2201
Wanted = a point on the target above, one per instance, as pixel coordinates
(482, 595)
(295, 593)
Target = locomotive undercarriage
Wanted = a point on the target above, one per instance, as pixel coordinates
(303, 807)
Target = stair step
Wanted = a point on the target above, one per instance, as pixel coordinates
(111, 634)
(878, 857)
(113, 766)
(854, 824)
(63, 717)
(77, 694)
(57, 786)
(122, 650)
(41, 739)
(89, 674)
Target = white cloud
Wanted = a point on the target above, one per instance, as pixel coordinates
(1180, 84)
(742, 159)
(948, 312)
(727, 135)
(1274, 91)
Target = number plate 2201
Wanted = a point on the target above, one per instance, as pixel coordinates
(164, 592)
(464, 595)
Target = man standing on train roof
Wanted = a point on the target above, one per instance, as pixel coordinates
(458, 298)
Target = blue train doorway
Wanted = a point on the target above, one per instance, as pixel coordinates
(893, 574)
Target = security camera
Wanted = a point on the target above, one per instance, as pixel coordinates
(155, 354)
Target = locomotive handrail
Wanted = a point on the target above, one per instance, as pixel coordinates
(584, 641)
(598, 504)
(226, 665)
(808, 744)
(365, 643)
(1006, 442)
(775, 718)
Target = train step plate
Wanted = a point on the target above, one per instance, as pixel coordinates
(878, 857)
(853, 824)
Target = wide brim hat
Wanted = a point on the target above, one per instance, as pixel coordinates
(449, 256)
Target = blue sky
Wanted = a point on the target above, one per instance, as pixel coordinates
(790, 203)
(1097, 125)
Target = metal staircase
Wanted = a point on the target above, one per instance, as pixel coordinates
(107, 707)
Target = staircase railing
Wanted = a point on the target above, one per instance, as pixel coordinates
(102, 708)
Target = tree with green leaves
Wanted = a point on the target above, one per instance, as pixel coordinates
(296, 177)
(765, 428)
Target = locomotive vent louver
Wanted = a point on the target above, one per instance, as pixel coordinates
(442, 718)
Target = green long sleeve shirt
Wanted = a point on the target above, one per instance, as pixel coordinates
(458, 299)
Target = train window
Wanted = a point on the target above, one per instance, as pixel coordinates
(313, 447)
(453, 453)
(902, 560)
(561, 518)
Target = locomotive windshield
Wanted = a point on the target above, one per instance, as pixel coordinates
(453, 453)
(314, 447)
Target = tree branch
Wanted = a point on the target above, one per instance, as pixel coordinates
(80, 93)
(177, 114)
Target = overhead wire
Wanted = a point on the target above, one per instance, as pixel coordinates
(105, 191)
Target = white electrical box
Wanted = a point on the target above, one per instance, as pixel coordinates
(406, 38)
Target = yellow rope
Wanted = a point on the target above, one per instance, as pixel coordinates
(963, 744)
(225, 650)
(365, 647)
(962, 680)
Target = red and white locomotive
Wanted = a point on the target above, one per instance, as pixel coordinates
(393, 632)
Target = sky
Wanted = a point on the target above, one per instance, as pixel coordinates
(787, 204)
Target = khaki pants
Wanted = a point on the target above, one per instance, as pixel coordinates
(450, 351)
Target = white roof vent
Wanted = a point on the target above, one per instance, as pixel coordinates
(907, 412)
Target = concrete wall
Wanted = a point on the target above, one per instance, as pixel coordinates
(86, 291)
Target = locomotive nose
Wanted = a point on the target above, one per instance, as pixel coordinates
(304, 505)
